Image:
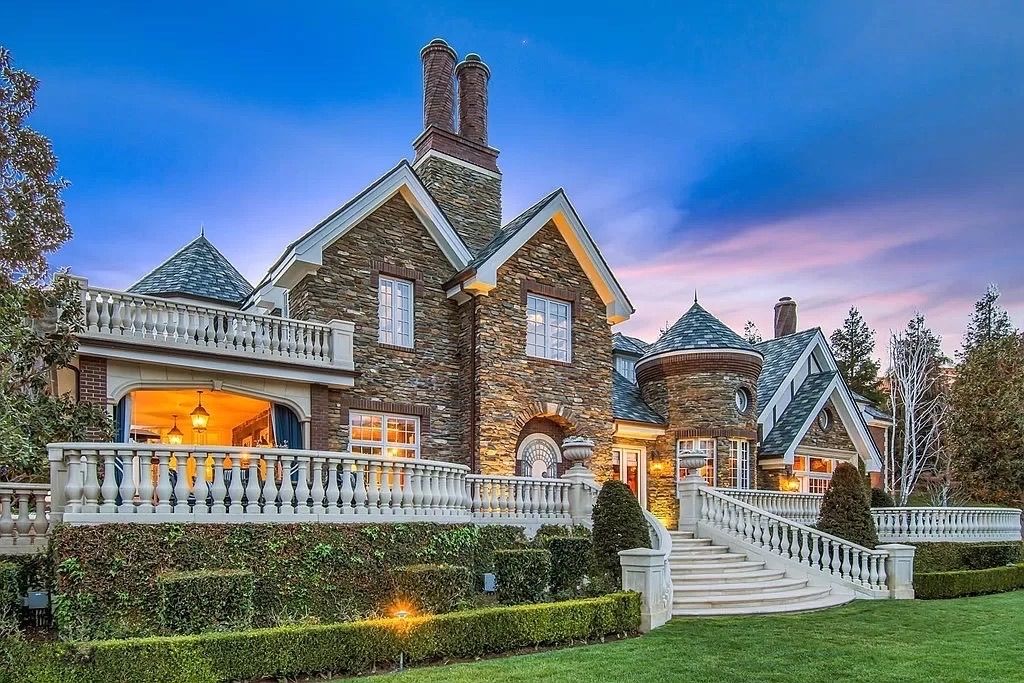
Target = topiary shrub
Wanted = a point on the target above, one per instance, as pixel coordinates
(619, 524)
(432, 588)
(880, 498)
(495, 537)
(846, 510)
(10, 598)
(937, 585)
(523, 575)
(548, 531)
(205, 600)
(570, 559)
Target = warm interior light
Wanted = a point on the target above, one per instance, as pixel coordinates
(200, 416)
(789, 483)
(174, 435)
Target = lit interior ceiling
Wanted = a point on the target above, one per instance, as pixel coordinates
(152, 409)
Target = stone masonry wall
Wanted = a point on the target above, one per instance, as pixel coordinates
(471, 200)
(835, 437)
(509, 379)
(426, 377)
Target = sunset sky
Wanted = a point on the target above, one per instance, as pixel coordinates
(859, 153)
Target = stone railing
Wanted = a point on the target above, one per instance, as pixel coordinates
(648, 572)
(899, 524)
(24, 517)
(519, 500)
(124, 317)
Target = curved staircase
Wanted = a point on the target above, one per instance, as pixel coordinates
(711, 580)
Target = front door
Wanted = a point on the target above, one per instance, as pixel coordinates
(629, 465)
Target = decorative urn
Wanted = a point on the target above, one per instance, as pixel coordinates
(577, 451)
(692, 461)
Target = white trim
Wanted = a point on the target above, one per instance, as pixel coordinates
(384, 444)
(624, 429)
(641, 469)
(548, 352)
(559, 210)
(394, 309)
(692, 352)
(769, 402)
(529, 439)
(458, 162)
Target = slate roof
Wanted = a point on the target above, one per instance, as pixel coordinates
(510, 229)
(622, 343)
(793, 418)
(627, 404)
(779, 356)
(698, 329)
(870, 407)
(196, 270)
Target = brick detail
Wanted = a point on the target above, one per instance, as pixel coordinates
(473, 75)
(531, 286)
(542, 425)
(320, 418)
(471, 200)
(92, 386)
(438, 85)
(712, 361)
(437, 139)
(555, 412)
(378, 268)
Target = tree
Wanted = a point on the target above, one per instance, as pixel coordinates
(854, 346)
(919, 407)
(39, 315)
(989, 322)
(619, 524)
(846, 508)
(751, 333)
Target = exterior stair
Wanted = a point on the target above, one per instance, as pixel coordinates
(711, 580)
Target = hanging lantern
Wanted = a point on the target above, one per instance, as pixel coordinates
(200, 416)
(174, 435)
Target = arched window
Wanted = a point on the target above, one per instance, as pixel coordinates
(539, 456)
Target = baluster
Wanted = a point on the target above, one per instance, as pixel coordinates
(270, 485)
(854, 564)
(477, 501)
(235, 489)
(388, 474)
(109, 488)
(420, 491)
(92, 316)
(844, 570)
(252, 486)
(200, 489)
(286, 493)
(372, 488)
(91, 490)
(881, 579)
(41, 524)
(347, 493)
(865, 569)
(773, 539)
(181, 483)
(408, 494)
(302, 486)
(23, 524)
(444, 496)
(359, 487)
(794, 543)
(6, 516)
(219, 488)
(163, 483)
(333, 492)
(127, 489)
(145, 505)
(317, 492)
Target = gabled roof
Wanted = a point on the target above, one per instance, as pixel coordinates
(698, 330)
(870, 408)
(197, 270)
(628, 404)
(780, 355)
(481, 273)
(622, 343)
(797, 414)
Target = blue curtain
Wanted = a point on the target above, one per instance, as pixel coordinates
(287, 428)
(123, 425)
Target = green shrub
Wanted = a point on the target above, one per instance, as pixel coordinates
(880, 498)
(948, 557)
(10, 598)
(570, 560)
(548, 531)
(846, 509)
(432, 588)
(937, 585)
(522, 575)
(303, 572)
(205, 600)
(331, 650)
(495, 537)
(619, 524)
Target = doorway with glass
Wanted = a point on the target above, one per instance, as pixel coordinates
(629, 465)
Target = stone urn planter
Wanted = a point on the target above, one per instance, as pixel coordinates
(577, 451)
(692, 461)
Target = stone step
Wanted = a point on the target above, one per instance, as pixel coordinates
(714, 567)
(689, 550)
(831, 600)
(678, 578)
(680, 534)
(698, 558)
(682, 542)
(738, 587)
(765, 597)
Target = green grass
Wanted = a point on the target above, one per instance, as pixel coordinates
(971, 639)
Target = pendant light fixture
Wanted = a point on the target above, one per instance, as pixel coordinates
(174, 435)
(200, 416)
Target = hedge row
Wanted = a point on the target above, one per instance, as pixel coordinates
(352, 648)
(949, 557)
(205, 600)
(937, 585)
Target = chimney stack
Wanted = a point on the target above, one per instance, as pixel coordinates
(785, 317)
(473, 75)
(438, 85)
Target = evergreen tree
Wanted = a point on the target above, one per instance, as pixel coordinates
(846, 508)
(854, 345)
(751, 333)
(989, 322)
(39, 316)
(619, 524)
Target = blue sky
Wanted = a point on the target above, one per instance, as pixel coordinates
(856, 153)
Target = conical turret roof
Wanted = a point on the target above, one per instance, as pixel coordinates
(695, 330)
(196, 270)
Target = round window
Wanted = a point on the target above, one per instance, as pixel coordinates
(824, 419)
(742, 400)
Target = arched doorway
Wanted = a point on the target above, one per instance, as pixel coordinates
(538, 455)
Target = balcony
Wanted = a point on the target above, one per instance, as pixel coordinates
(151, 329)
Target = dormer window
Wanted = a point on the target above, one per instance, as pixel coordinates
(548, 328)
(394, 309)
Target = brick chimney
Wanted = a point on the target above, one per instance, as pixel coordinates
(785, 317)
(455, 163)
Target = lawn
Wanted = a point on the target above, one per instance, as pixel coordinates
(971, 639)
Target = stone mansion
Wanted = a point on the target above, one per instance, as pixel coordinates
(412, 323)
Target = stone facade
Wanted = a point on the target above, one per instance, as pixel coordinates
(834, 438)
(471, 199)
(507, 379)
(427, 376)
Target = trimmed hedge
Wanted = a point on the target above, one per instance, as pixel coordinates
(303, 573)
(432, 588)
(205, 600)
(10, 598)
(522, 575)
(846, 508)
(938, 585)
(331, 650)
(570, 560)
(491, 538)
(619, 524)
(949, 557)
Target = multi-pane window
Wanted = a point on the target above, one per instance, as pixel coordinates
(626, 367)
(814, 474)
(548, 333)
(705, 446)
(739, 464)
(538, 457)
(395, 436)
(394, 311)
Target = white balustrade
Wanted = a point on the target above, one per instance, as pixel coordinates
(24, 517)
(506, 499)
(796, 507)
(123, 316)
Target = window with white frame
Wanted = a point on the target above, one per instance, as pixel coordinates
(814, 474)
(626, 366)
(394, 436)
(394, 311)
(538, 456)
(705, 446)
(548, 328)
(739, 463)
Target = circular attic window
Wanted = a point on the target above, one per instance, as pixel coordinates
(742, 400)
(824, 419)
